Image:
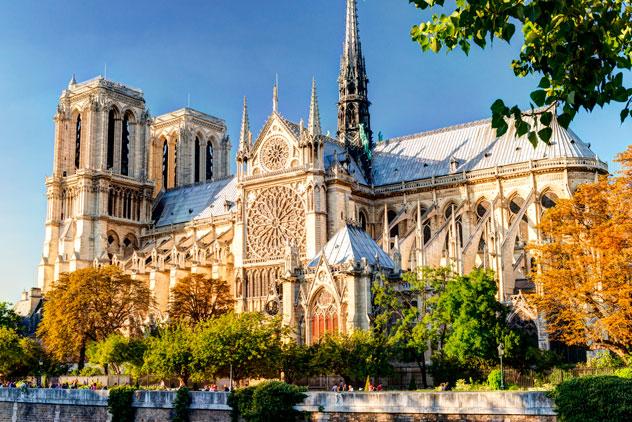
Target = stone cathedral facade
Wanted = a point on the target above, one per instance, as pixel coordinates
(308, 221)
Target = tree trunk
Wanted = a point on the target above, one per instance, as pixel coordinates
(82, 355)
(422, 367)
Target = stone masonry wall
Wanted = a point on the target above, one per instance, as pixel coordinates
(54, 405)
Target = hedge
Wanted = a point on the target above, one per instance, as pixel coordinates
(594, 399)
(270, 401)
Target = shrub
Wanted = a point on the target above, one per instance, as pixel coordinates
(624, 373)
(594, 399)
(266, 402)
(91, 371)
(494, 379)
(412, 385)
(120, 404)
(181, 405)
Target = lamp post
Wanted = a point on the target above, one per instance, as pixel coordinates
(39, 378)
(230, 380)
(501, 352)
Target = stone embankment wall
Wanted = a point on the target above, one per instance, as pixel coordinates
(55, 405)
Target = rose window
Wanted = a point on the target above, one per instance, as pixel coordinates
(275, 154)
(275, 217)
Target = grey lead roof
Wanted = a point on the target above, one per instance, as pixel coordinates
(195, 202)
(353, 243)
(331, 147)
(473, 145)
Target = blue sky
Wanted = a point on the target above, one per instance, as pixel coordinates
(218, 51)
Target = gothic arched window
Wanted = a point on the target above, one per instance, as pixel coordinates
(427, 232)
(175, 164)
(110, 152)
(78, 141)
(390, 217)
(125, 146)
(548, 200)
(196, 165)
(362, 220)
(165, 164)
(209, 160)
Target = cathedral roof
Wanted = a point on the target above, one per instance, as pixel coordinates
(471, 146)
(353, 243)
(195, 202)
(332, 147)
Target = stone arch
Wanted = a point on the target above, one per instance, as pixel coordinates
(323, 314)
(114, 119)
(548, 199)
(363, 218)
(128, 131)
(129, 244)
(481, 207)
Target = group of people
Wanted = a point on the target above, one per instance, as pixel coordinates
(213, 387)
(343, 387)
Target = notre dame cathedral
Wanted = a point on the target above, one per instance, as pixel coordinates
(308, 221)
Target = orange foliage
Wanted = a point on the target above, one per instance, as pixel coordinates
(585, 277)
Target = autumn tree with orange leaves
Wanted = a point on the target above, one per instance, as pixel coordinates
(585, 272)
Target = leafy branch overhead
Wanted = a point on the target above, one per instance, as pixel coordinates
(581, 49)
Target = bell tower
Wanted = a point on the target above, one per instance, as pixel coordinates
(98, 196)
(354, 120)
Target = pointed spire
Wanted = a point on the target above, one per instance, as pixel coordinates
(275, 95)
(352, 48)
(313, 123)
(244, 134)
(72, 81)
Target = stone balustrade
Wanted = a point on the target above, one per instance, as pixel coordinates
(59, 404)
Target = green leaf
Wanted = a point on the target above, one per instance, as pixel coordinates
(544, 83)
(508, 31)
(538, 97)
(545, 134)
(564, 120)
(546, 118)
(522, 127)
(624, 114)
(435, 45)
(533, 139)
(501, 130)
(498, 107)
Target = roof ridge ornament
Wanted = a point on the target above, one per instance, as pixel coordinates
(275, 95)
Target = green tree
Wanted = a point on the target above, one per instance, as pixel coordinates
(353, 356)
(249, 342)
(297, 361)
(11, 352)
(171, 353)
(470, 322)
(580, 48)
(115, 351)
(88, 305)
(8, 317)
(402, 315)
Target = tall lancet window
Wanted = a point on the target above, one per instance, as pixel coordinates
(165, 164)
(196, 177)
(78, 141)
(175, 164)
(125, 146)
(110, 152)
(209, 160)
